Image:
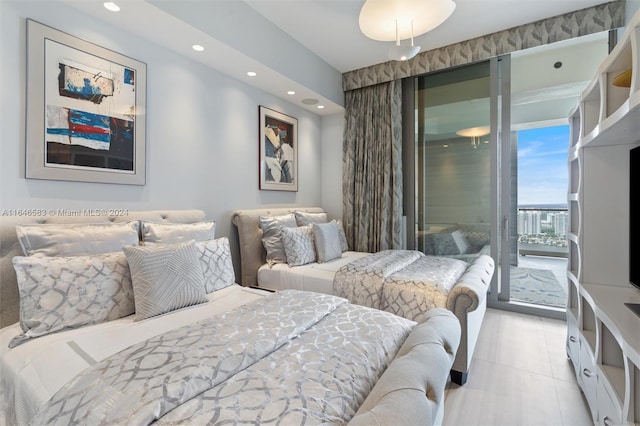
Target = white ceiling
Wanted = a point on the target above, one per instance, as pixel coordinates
(322, 30)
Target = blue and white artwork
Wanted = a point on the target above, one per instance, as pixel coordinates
(90, 110)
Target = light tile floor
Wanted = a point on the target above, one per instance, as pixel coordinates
(520, 375)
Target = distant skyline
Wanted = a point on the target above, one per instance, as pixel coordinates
(542, 165)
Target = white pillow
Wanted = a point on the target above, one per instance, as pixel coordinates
(307, 218)
(327, 241)
(165, 277)
(76, 239)
(60, 293)
(217, 267)
(298, 245)
(169, 233)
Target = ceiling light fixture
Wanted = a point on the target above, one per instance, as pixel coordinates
(395, 20)
(251, 74)
(400, 52)
(475, 133)
(109, 5)
(198, 47)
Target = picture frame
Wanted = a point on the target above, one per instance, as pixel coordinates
(278, 141)
(86, 104)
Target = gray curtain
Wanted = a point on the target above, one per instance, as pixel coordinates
(372, 167)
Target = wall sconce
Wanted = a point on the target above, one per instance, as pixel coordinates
(475, 133)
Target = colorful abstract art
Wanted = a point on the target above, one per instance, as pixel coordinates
(92, 111)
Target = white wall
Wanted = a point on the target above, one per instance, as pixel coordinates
(331, 164)
(202, 131)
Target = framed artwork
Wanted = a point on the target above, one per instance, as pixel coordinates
(85, 110)
(278, 151)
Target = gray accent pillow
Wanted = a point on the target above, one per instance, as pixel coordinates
(217, 267)
(344, 246)
(169, 233)
(165, 277)
(298, 245)
(327, 241)
(306, 218)
(60, 293)
(272, 237)
(76, 239)
(450, 243)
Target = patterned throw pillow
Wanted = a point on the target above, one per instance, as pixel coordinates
(170, 233)
(272, 236)
(298, 245)
(165, 277)
(76, 239)
(60, 293)
(307, 218)
(217, 267)
(344, 246)
(327, 241)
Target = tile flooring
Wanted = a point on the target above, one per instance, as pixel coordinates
(520, 375)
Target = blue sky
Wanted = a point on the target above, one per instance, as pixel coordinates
(542, 165)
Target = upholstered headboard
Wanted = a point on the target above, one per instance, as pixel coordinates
(252, 252)
(9, 246)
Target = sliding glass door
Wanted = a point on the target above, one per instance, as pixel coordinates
(453, 160)
(485, 167)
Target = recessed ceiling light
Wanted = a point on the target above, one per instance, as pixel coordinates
(320, 107)
(109, 5)
(251, 74)
(445, 146)
(291, 92)
(198, 47)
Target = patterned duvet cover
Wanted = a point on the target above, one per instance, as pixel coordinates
(404, 282)
(292, 357)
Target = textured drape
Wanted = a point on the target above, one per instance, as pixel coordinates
(372, 167)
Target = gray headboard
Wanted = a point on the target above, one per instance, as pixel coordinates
(252, 253)
(9, 246)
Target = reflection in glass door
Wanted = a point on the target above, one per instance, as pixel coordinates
(453, 158)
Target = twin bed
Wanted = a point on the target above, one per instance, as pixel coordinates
(170, 338)
(404, 282)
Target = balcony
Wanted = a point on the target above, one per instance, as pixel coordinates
(539, 275)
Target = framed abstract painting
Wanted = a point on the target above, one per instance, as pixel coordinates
(85, 110)
(278, 151)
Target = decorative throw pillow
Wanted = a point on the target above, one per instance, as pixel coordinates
(344, 246)
(444, 244)
(272, 237)
(450, 243)
(327, 241)
(76, 239)
(169, 233)
(165, 277)
(461, 241)
(217, 267)
(298, 245)
(307, 218)
(59, 293)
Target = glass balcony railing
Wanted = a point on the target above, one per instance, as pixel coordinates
(543, 231)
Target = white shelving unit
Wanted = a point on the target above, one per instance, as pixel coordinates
(603, 335)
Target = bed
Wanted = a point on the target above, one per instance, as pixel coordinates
(219, 353)
(407, 290)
